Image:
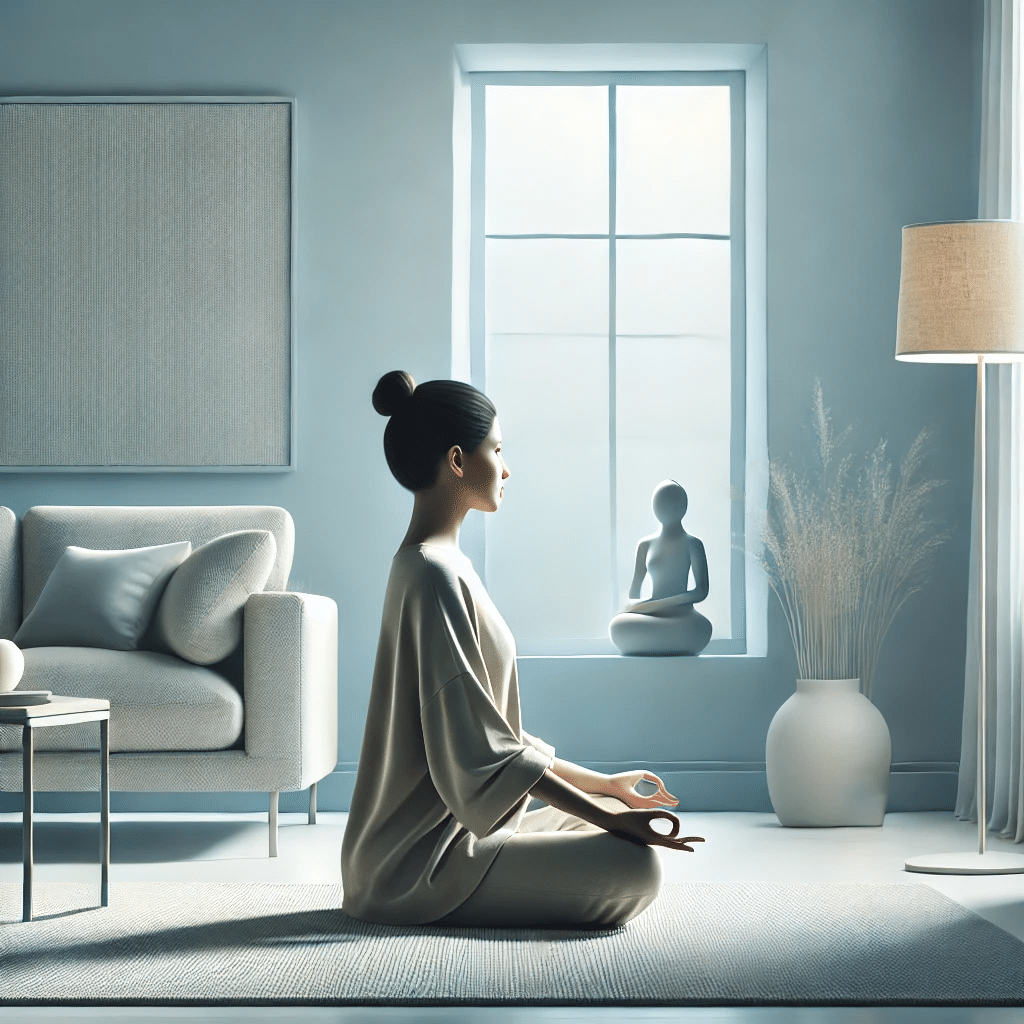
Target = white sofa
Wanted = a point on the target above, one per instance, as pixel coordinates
(263, 719)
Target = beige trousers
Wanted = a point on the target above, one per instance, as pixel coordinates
(558, 871)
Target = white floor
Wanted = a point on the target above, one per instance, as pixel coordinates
(739, 847)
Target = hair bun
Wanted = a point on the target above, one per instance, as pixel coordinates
(393, 390)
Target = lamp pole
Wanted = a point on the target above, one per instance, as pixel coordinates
(982, 608)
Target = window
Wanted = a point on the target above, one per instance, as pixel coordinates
(608, 323)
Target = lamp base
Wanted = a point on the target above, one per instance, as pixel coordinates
(968, 864)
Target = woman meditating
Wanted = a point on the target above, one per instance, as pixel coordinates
(438, 829)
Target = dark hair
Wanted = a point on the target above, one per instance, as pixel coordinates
(426, 421)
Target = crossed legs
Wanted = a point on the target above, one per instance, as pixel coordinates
(558, 871)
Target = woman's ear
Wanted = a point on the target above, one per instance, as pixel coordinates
(454, 460)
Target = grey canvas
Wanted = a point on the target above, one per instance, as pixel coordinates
(145, 312)
(100, 598)
(698, 944)
(200, 614)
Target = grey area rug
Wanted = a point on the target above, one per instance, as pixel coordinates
(700, 944)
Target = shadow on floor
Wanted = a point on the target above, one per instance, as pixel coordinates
(135, 842)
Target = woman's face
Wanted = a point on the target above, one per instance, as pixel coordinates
(484, 472)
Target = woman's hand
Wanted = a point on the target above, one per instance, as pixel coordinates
(622, 786)
(638, 827)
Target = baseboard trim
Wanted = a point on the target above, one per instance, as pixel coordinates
(743, 785)
(700, 786)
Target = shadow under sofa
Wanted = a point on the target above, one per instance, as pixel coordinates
(263, 719)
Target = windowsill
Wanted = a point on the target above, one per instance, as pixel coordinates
(637, 657)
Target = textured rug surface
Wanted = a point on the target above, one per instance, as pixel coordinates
(701, 943)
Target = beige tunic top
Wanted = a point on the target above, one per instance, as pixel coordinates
(445, 768)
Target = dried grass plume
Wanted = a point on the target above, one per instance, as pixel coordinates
(844, 547)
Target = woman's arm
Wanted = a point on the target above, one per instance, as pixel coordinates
(622, 785)
(635, 825)
(583, 779)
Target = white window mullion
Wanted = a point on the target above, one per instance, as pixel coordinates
(478, 240)
(613, 515)
(473, 538)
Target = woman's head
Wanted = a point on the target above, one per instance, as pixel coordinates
(426, 421)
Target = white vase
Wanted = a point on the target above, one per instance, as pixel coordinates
(827, 756)
(12, 665)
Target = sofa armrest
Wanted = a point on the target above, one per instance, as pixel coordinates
(291, 682)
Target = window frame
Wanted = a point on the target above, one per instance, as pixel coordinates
(743, 67)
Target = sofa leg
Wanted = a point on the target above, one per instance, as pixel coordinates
(312, 804)
(273, 823)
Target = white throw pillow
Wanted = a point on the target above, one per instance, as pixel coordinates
(200, 614)
(101, 598)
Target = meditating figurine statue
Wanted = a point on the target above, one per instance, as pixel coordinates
(667, 623)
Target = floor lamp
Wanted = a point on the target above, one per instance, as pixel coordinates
(962, 301)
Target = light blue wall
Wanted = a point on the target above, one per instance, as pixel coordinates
(872, 124)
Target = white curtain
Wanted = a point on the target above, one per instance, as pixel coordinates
(999, 198)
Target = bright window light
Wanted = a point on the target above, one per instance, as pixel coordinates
(609, 338)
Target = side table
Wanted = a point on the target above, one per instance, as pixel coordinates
(60, 711)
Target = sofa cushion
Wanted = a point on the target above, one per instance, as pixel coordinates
(157, 701)
(46, 530)
(200, 614)
(100, 598)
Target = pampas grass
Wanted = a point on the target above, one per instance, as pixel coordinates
(845, 547)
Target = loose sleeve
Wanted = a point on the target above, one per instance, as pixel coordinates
(545, 748)
(480, 765)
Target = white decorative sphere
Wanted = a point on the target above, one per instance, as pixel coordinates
(12, 665)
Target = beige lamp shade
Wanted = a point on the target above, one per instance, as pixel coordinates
(962, 292)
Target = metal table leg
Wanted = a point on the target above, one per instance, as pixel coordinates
(273, 823)
(27, 787)
(105, 812)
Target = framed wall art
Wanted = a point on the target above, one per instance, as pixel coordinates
(147, 284)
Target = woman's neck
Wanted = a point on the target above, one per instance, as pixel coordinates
(436, 519)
